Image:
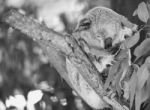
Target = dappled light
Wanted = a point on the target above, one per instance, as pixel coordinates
(74, 55)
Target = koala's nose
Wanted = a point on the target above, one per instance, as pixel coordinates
(108, 43)
(126, 36)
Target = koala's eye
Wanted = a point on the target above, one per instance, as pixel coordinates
(126, 36)
(122, 25)
(84, 24)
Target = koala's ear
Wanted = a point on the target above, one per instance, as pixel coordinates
(84, 24)
(126, 23)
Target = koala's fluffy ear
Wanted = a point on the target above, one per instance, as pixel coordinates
(128, 24)
(84, 24)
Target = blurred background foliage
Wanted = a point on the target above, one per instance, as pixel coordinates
(27, 79)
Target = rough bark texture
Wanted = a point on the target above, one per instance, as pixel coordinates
(57, 48)
(41, 34)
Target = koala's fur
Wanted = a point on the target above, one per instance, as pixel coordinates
(100, 29)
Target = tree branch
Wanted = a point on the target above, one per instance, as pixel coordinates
(42, 35)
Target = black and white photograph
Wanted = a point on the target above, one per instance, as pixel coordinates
(74, 54)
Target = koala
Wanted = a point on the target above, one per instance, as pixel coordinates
(100, 33)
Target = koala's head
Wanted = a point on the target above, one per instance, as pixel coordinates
(102, 27)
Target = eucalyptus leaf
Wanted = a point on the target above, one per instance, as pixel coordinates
(133, 84)
(143, 75)
(142, 12)
(142, 88)
(143, 48)
(131, 41)
(147, 61)
(141, 96)
(138, 101)
(148, 85)
(135, 12)
(112, 73)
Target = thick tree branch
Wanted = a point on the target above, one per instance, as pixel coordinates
(57, 48)
(42, 35)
